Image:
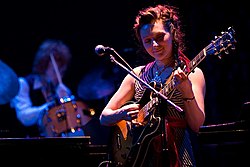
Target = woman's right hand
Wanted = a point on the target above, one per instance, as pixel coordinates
(129, 112)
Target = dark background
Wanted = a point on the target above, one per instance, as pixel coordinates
(82, 25)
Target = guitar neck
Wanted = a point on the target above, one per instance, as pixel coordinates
(197, 60)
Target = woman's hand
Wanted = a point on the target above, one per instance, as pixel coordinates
(183, 84)
(129, 112)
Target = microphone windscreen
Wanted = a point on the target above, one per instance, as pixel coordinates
(100, 50)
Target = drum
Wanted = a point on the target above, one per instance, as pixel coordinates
(67, 118)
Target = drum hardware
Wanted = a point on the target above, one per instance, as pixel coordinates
(61, 115)
(66, 99)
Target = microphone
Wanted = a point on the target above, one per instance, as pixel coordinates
(100, 50)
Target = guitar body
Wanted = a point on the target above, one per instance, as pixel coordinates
(121, 146)
(130, 151)
(131, 142)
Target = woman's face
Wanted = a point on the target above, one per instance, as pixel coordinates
(157, 40)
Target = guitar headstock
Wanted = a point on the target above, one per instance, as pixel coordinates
(222, 43)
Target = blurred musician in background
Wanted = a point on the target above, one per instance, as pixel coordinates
(44, 104)
(40, 90)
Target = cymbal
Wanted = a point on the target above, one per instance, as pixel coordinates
(9, 85)
(96, 85)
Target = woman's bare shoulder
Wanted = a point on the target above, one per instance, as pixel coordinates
(138, 69)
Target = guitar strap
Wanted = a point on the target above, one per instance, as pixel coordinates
(185, 61)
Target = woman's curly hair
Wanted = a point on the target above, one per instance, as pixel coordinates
(168, 15)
